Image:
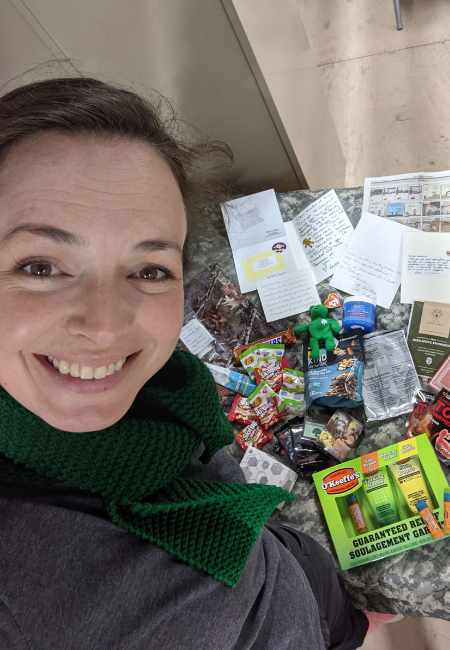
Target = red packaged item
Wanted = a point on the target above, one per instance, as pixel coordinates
(271, 370)
(422, 400)
(441, 378)
(435, 422)
(253, 435)
(241, 411)
(266, 405)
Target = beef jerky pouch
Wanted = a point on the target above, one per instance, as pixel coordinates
(335, 378)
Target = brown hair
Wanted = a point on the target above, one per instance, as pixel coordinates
(86, 105)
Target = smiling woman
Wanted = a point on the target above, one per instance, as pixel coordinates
(109, 438)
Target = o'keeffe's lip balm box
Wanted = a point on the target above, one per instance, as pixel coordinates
(386, 484)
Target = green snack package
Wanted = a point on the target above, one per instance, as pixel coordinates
(250, 359)
(294, 402)
(271, 349)
(266, 405)
(293, 380)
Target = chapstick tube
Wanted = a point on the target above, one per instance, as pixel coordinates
(429, 519)
(355, 511)
(446, 513)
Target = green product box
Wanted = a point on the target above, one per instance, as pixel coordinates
(335, 484)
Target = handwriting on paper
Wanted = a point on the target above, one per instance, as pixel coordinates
(288, 294)
(195, 336)
(427, 265)
(324, 229)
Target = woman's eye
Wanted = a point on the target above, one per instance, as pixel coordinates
(152, 273)
(41, 269)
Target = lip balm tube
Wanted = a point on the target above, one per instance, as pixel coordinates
(429, 519)
(446, 513)
(356, 514)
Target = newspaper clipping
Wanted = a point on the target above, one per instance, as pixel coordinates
(420, 200)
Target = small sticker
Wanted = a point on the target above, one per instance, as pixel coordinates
(279, 247)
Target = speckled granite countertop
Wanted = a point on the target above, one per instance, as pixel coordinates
(414, 583)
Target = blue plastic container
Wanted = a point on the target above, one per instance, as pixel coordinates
(359, 312)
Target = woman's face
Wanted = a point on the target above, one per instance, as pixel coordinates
(91, 237)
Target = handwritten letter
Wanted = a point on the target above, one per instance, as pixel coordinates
(323, 229)
(427, 265)
(196, 337)
(372, 263)
(288, 294)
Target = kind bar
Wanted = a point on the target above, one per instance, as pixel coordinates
(293, 380)
(335, 378)
(435, 422)
(341, 433)
(422, 400)
(241, 411)
(253, 435)
(250, 359)
(287, 338)
(270, 370)
(266, 405)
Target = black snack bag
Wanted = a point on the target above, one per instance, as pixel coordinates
(335, 378)
(303, 454)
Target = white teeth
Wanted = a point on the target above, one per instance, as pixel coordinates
(86, 372)
(64, 367)
(74, 370)
(100, 373)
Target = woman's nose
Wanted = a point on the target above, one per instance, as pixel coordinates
(102, 313)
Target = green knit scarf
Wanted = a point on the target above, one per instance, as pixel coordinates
(135, 466)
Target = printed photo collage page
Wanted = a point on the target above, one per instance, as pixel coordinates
(425, 206)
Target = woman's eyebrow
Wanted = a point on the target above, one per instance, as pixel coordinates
(60, 236)
(57, 235)
(155, 245)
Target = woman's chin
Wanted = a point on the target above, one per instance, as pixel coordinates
(83, 420)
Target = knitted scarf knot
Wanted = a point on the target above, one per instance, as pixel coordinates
(135, 466)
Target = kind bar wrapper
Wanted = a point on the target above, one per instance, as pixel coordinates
(250, 359)
(335, 378)
(286, 338)
(341, 433)
(266, 405)
(293, 380)
(241, 411)
(435, 422)
(253, 435)
(390, 380)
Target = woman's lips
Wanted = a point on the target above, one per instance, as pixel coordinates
(86, 386)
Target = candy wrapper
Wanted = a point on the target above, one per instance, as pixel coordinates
(302, 453)
(423, 398)
(286, 338)
(293, 380)
(435, 422)
(250, 360)
(253, 435)
(294, 402)
(270, 370)
(268, 350)
(266, 405)
(341, 434)
(241, 411)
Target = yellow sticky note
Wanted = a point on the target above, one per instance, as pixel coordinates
(263, 264)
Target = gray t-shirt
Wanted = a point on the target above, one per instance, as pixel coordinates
(71, 580)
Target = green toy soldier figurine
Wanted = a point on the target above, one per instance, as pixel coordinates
(320, 330)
